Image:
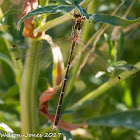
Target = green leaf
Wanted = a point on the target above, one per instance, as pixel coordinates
(126, 94)
(6, 36)
(79, 8)
(5, 128)
(14, 90)
(64, 2)
(86, 14)
(57, 21)
(65, 8)
(128, 119)
(66, 134)
(120, 46)
(114, 20)
(47, 9)
(10, 108)
(125, 67)
(77, 1)
(11, 11)
(110, 47)
(119, 63)
(6, 59)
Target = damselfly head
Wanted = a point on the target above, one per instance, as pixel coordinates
(76, 16)
(79, 17)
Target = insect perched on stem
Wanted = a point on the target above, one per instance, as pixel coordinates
(95, 61)
(75, 38)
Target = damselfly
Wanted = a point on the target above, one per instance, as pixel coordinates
(75, 39)
(98, 61)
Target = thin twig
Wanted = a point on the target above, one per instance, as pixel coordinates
(129, 8)
(115, 11)
(116, 29)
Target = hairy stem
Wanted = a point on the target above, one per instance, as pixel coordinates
(28, 90)
(87, 27)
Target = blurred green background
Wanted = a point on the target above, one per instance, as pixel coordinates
(121, 97)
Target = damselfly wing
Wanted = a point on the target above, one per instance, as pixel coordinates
(49, 52)
(100, 67)
(51, 49)
(98, 63)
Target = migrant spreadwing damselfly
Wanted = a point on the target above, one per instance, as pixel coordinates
(97, 61)
(75, 38)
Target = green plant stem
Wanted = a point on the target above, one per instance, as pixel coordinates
(106, 86)
(28, 89)
(17, 72)
(59, 20)
(87, 27)
(6, 41)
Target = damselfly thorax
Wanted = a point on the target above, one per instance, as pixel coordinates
(78, 21)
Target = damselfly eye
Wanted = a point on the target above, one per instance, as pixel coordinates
(76, 16)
